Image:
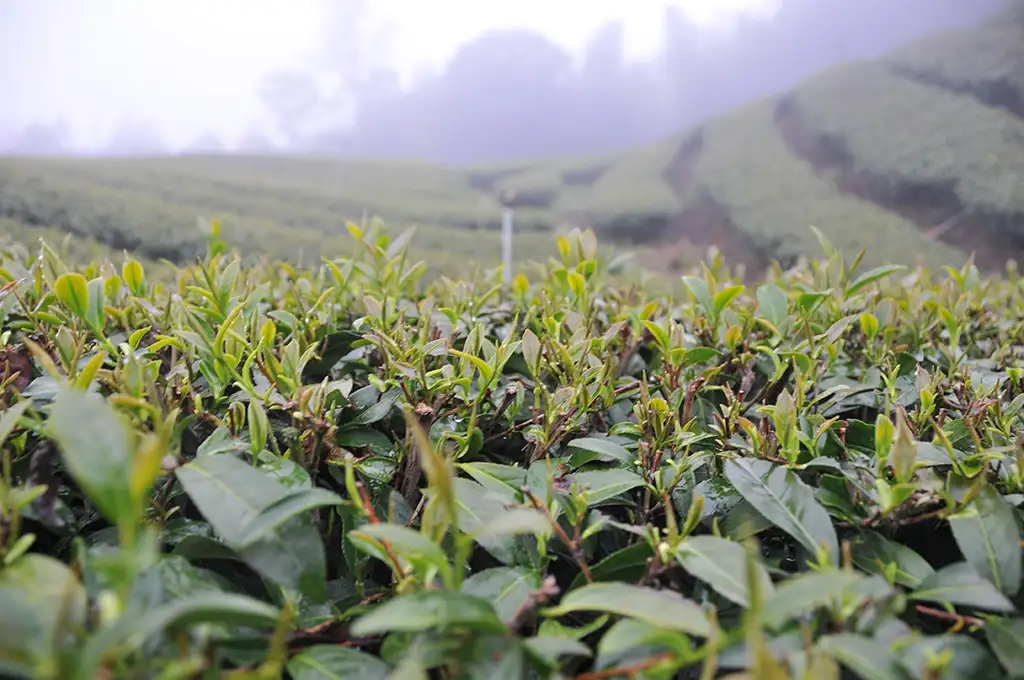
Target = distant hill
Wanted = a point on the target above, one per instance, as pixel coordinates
(918, 156)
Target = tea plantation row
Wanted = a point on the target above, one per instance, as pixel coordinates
(344, 472)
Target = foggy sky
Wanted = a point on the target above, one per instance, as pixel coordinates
(192, 67)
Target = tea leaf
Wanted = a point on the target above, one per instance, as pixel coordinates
(960, 584)
(96, 448)
(722, 565)
(330, 662)
(429, 610)
(869, 659)
(780, 495)
(664, 609)
(987, 534)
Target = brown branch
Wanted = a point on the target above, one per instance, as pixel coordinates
(574, 548)
(627, 671)
(957, 619)
(371, 514)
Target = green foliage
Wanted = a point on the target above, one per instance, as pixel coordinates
(251, 471)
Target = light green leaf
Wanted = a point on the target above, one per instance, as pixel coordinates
(662, 608)
(722, 564)
(486, 372)
(531, 350)
(987, 535)
(9, 419)
(96, 315)
(41, 603)
(96, 448)
(724, 297)
(72, 290)
(659, 335)
(699, 288)
(970, 659)
(429, 610)
(871, 276)
(773, 304)
(130, 632)
(404, 542)
(513, 522)
(552, 648)
(782, 497)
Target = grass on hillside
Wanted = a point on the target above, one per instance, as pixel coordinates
(259, 473)
(153, 208)
(298, 207)
(775, 197)
(987, 60)
(905, 132)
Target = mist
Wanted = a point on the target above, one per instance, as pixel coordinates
(116, 77)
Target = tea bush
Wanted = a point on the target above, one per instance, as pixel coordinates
(265, 472)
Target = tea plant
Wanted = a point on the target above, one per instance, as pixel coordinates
(265, 472)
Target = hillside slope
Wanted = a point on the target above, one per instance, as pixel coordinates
(918, 156)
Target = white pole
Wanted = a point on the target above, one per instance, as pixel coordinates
(506, 243)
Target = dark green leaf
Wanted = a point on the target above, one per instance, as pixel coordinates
(97, 451)
(271, 517)
(377, 411)
(628, 564)
(598, 449)
(722, 564)
(961, 584)
(782, 497)
(363, 437)
(231, 495)
(661, 608)
(429, 610)
(507, 589)
(987, 535)
(700, 355)
(331, 662)
(603, 485)
(872, 552)
(869, 659)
